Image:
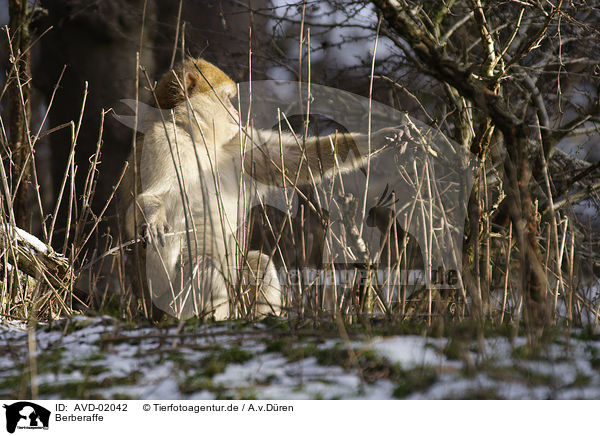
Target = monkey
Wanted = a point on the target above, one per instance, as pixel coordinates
(189, 181)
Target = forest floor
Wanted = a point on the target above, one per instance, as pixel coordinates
(103, 358)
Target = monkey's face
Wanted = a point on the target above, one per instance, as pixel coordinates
(209, 92)
(216, 90)
(229, 114)
(228, 96)
(215, 114)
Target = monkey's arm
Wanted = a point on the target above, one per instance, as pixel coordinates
(282, 160)
(150, 216)
(154, 182)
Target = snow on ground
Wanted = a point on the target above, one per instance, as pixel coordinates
(94, 358)
(410, 350)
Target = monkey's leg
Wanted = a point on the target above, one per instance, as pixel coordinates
(185, 284)
(136, 262)
(212, 286)
(197, 291)
(260, 278)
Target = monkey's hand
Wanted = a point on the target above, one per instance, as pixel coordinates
(154, 229)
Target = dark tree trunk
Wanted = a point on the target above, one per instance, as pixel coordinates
(97, 42)
(20, 108)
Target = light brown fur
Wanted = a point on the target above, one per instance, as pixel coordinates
(194, 187)
(169, 93)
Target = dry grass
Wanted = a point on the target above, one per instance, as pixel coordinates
(88, 270)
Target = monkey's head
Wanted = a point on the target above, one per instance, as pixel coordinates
(198, 77)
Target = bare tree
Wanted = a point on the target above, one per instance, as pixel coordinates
(510, 82)
(20, 105)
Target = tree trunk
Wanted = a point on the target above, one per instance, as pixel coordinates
(20, 107)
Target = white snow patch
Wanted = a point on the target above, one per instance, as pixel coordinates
(410, 351)
(21, 235)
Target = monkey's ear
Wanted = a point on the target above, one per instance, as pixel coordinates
(190, 82)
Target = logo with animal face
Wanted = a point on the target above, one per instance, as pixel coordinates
(26, 415)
